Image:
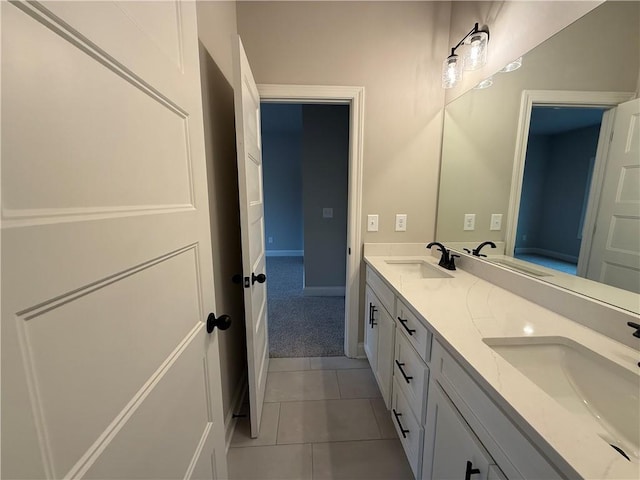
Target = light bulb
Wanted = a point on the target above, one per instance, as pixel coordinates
(511, 66)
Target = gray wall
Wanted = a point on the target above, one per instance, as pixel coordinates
(282, 176)
(216, 24)
(325, 167)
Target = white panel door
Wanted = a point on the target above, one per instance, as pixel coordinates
(615, 251)
(107, 368)
(249, 146)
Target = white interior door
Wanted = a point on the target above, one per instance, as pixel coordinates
(107, 368)
(249, 146)
(615, 251)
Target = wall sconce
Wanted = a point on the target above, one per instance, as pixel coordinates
(475, 56)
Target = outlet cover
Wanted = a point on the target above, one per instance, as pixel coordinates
(270, 240)
(327, 212)
(401, 222)
(469, 221)
(372, 223)
(496, 221)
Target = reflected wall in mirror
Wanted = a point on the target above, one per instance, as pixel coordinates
(483, 160)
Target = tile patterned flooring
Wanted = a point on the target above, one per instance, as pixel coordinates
(323, 418)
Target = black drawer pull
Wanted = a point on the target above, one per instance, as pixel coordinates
(402, 430)
(411, 331)
(406, 378)
(470, 471)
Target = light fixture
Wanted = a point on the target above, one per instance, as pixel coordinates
(486, 83)
(474, 57)
(511, 66)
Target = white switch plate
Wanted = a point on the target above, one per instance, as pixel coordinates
(372, 223)
(401, 222)
(327, 212)
(469, 221)
(496, 221)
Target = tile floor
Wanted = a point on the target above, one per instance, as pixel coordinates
(323, 418)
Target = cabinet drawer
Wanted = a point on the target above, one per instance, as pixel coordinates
(412, 375)
(513, 452)
(408, 323)
(409, 430)
(384, 293)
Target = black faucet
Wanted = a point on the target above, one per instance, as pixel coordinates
(476, 251)
(444, 259)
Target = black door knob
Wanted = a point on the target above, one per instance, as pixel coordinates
(222, 322)
(260, 278)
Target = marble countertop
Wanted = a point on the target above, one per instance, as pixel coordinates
(464, 309)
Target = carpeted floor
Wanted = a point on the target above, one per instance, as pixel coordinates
(548, 262)
(300, 326)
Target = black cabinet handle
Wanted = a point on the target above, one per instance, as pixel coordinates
(372, 310)
(411, 331)
(406, 378)
(637, 327)
(260, 278)
(222, 322)
(402, 430)
(470, 471)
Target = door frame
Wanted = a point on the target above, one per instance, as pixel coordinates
(560, 98)
(354, 97)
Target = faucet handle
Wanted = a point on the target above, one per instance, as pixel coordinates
(451, 265)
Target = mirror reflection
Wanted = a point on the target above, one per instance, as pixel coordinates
(546, 162)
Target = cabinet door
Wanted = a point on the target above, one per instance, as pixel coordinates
(452, 451)
(371, 316)
(384, 367)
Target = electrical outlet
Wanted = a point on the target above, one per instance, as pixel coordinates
(496, 221)
(372, 223)
(327, 212)
(401, 222)
(270, 240)
(469, 221)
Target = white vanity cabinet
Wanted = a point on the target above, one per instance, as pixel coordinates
(453, 450)
(464, 424)
(379, 332)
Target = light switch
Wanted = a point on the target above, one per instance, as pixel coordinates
(372, 223)
(496, 221)
(469, 221)
(401, 222)
(327, 212)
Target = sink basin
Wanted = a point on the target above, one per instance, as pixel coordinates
(605, 395)
(519, 267)
(415, 269)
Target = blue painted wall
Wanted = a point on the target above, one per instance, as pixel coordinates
(282, 175)
(557, 173)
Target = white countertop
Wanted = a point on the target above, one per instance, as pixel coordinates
(464, 309)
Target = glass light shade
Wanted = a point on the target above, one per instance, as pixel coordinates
(451, 71)
(511, 66)
(475, 55)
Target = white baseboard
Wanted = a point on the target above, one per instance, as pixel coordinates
(361, 352)
(548, 253)
(236, 404)
(284, 253)
(323, 291)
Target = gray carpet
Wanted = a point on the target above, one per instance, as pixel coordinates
(300, 326)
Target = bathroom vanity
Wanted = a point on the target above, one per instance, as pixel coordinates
(484, 384)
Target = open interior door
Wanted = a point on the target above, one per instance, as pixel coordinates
(615, 251)
(107, 367)
(248, 140)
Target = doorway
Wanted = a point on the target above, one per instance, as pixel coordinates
(305, 150)
(558, 172)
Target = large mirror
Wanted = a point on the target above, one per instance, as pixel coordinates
(529, 158)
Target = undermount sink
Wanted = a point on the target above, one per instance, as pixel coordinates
(415, 269)
(603, 394)
(519, 267)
